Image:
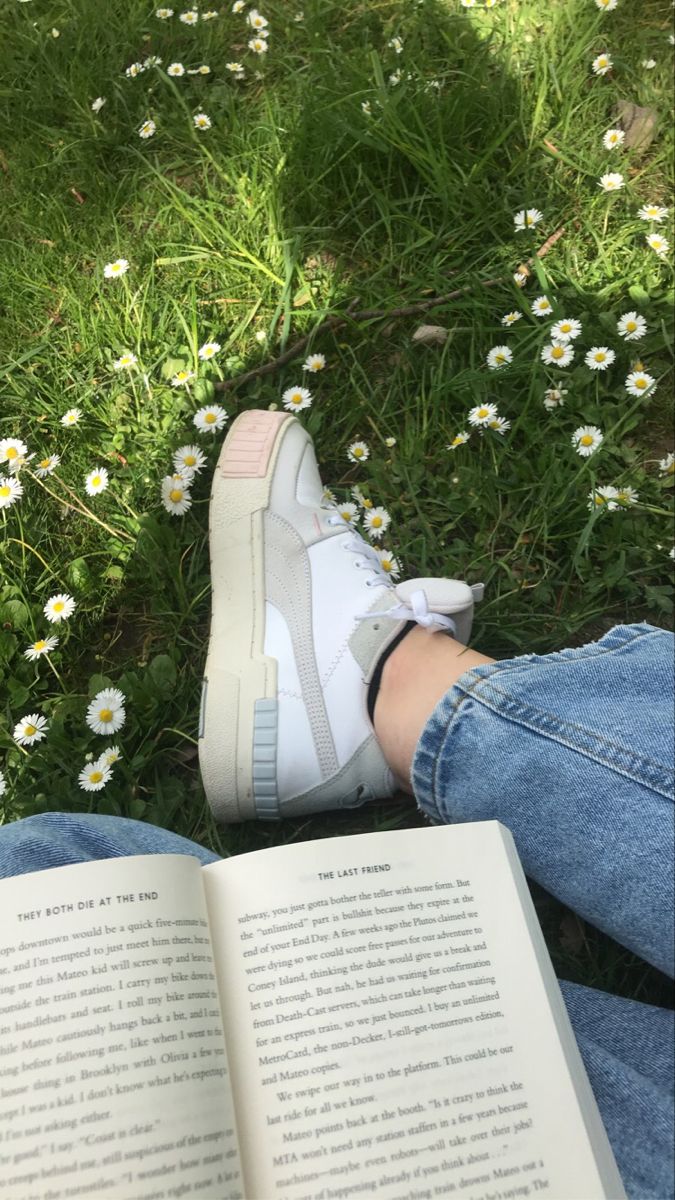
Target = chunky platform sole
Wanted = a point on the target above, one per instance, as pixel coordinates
(238, 719)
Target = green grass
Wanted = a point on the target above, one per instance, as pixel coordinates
(290, 207)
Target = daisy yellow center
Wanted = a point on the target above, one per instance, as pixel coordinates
(376, 522)
(500, 358)
(599, 500)
(600, 357)
(557, 352)
(670, 469)
(358, 452)
(45, 462)
(96, 481)
(587, 439)
(29, 730)
(208, 352)
(176, 495)
(457, 441)
(483, 412)
(189, 460)
(367, 503)
(565, 327)
(39, 645)
(210, 418)
(105, 715)
(529, 221)
(631, 326)
(296, 398)
(543, 304)
(96, 776)
(12, 452)
(116, 267)
(59, 606)
(602, 62)
(641, 383)
(5, 491)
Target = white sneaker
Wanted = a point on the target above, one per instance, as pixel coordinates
(301, 613)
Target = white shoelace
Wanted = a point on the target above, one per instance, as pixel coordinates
(417, 610)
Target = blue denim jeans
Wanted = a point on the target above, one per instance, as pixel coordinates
(573, 752)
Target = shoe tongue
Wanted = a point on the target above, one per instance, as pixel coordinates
(372, 635)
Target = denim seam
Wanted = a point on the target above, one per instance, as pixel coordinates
(559, 657)
(575, 737)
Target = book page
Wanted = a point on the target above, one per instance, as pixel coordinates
(388, 1025)
(113, 1073)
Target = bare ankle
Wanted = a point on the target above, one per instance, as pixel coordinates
(417, 674)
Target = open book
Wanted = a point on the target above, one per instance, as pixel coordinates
(359, 1016)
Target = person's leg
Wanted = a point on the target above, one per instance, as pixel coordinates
(571, 751)
(60, 839)
(628, 1050)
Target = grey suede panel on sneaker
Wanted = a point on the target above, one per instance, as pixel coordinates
(288, 586)
(346, 789)
(372, 635)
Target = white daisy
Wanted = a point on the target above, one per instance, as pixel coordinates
(520, 279)
(30, 729)
(97, 104)
(603, 497)
(653, 212)
(611, 182)
(358, 452)
(297, 398)
(566, 330)
(106, 713)
(176, 496)
(94, 776)
(208, 350)
(499, 356)
(260, 337)
(329, 497)
(667, 464)
(190, 458)
(602, 64)
(396, 44)
(671, 553)
(190, 17)
(658, 243)
(147, 130)
(376, 521)
(10, 491)
(153, 60)
(96, 481)
(541, 307)
(599, 358)
(627, 495)
(527, 218)
(388, 562)
(210, 418)
(606, 5)
(12, 450)
(47, 465)
(390, 442)
(3, 784)
(510, 318)
(499, 425)
(71, 417)
(175, 69)
(182, 378)
(110, 756)
(613, 139)
(366, 108)
(234, 67)
(211, 15)
(459, 440)
(256, 20)
(258, 45)
(557, 354)
(586, 440)
(164, 13)
(631, 327)
(201, 70)
(201, 121)
(649, 63)
(40, 647)
(395, 78)
(554, 397)
(639, 383)
(314, 363)
(59, 608)
(482, 414)
(238, 6)
(127, 360)
(135, 69)
(349, 512)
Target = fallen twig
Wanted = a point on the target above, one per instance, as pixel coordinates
(353, 314)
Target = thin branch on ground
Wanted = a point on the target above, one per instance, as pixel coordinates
(354, 315)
